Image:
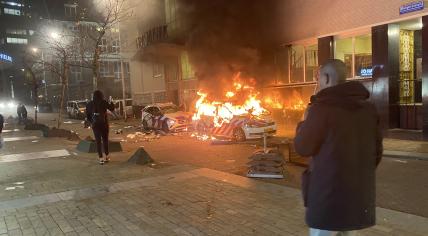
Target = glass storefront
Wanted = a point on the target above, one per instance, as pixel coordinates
(356, 52)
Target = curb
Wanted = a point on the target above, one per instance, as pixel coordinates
(405, 155)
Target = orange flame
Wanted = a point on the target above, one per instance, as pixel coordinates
(223, 112)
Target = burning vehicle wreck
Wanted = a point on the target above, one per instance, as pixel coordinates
(165, 117)
(238, 116)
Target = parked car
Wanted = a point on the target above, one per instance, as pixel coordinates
(124, 105)
(240, 128)
(44, 108)
(166, 117)
(76, 109)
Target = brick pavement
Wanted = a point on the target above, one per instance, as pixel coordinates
(188, 202)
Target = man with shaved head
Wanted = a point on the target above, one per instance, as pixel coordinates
(341, 133)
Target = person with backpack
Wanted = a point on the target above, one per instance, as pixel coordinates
(96, 115)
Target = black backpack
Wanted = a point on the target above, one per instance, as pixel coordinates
(97, 115)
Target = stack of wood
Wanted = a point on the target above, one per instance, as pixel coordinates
(267, 163)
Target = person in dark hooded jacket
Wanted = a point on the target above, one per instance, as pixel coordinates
(341, 133)
(96, 115)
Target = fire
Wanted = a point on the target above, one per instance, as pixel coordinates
(223, 111)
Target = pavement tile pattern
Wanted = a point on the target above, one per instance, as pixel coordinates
(195, 202)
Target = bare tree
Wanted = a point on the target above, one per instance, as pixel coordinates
(60, 54)
(33, 67)
(92, 35)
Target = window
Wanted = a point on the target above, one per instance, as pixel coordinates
(157, 70)
(311, 63)
(344, 51)
(31, 32)
(296, 54)
(117, 70)
(356, 52)
(70, 10)
(10, 11)
(16, 40)
(186, 67)
(16, 31)
(115, 46)
(10, 3)
(103, 45)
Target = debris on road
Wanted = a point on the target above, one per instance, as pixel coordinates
(119, 131)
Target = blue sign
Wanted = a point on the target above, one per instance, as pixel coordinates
(5, 57)
(366, 72)
(411, 7)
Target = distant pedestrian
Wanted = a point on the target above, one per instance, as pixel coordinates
(21, 111)
(341, 133)
(1, 123)
(96, 114)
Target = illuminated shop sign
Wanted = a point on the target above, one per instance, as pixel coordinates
(366, 72)
(4, 57)
(411, 7)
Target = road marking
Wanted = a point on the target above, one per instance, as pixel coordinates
(20, 138)
(34, 155)
(10, 130)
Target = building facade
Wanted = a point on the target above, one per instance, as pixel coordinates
(160, 69)
(23, 28)
(383, 44)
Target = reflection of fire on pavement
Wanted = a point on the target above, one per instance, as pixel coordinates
(238, 115)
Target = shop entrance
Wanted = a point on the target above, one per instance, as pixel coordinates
(410, 74)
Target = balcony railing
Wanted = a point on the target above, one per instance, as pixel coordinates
(154, 35)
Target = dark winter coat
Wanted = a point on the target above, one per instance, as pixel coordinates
(342, 134)
(96, 112)
(1, 123)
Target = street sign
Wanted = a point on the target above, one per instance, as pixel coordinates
(4, 57)
(412, 7)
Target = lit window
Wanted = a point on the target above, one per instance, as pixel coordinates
(10, 3)
(363, 56)
(10, 11)
(311, 65)
(31, 32)
(16, 31)
(16, 40)
(344, 51)
(296, 64)
(356, 53)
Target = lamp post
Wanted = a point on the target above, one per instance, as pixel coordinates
(12, 92)
(35, 50)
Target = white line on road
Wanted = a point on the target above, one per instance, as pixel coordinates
(34, 155)
(10, 130)
(12, 139)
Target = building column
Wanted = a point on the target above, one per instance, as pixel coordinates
(385, 83)
(325, 49)
(425, 76)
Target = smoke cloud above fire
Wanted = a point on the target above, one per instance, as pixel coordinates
(229, 36)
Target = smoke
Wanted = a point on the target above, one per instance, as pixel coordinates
(229, 36)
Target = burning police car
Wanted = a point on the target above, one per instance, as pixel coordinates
(239, 128)
(165, 117)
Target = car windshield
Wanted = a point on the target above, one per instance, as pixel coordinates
(81, 104)
(169, 109)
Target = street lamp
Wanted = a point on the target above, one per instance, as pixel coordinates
(54, 35)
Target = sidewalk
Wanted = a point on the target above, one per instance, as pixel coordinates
(405, 149)
(185, 201)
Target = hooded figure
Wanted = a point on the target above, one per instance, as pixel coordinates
(96, 115)
(342, 133)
